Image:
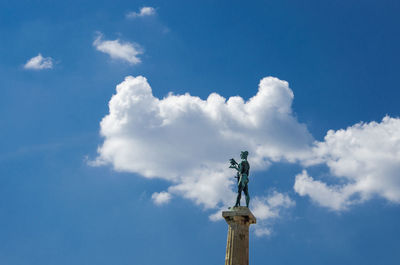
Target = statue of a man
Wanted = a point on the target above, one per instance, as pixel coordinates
(243, 177)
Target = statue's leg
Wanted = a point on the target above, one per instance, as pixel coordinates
(246, 192)
(239, 196)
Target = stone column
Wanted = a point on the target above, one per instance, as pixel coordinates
(237, 247)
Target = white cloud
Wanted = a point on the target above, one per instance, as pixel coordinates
(333, 197)
(39, 62)
(217, 216)
(268, 208)
(119, 50)
(364, 157)
(264, 231)
(187, 140)
(143, 12)
(160, 198)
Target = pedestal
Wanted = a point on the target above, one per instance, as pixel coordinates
(237, 247)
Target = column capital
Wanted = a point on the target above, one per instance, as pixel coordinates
(239, 215)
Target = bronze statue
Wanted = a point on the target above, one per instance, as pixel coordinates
(243, 177)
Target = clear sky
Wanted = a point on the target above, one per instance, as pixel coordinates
(118, 119)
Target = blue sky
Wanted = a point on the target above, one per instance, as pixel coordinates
(309, 88)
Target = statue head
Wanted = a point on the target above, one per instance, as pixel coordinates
(244, 154)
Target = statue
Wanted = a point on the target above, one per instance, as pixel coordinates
(242, 177)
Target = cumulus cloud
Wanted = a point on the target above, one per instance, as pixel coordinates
(160, 198)
(262, 231)
(268, 208)
(39, 62)
(117, 49)
(143, 12)
(365, 158)
(187, 140)
(334, 197)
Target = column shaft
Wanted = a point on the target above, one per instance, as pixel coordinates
(237, 247)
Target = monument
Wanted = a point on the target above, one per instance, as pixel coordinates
(242, 176)
(239, 218)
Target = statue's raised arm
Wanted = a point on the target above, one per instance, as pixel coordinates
(234, 164)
